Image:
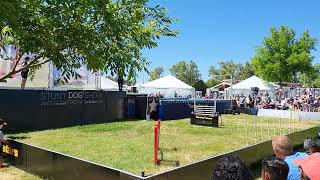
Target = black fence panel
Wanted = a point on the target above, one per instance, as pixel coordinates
(178, 109)
(136, 106)
(52, 165)
(42, 109)
(116, 101)
(252, 155)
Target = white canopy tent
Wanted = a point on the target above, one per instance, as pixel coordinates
(244, 87)
(254, 81)
(167, 86)
(108, 84)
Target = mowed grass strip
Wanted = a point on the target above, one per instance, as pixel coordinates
(129, 145)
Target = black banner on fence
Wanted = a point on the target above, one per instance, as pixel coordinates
(42, 109)
(203, 120)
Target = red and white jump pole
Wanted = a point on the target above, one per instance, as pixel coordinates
(156, 142)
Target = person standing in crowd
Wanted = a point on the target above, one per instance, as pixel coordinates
(175, 94)
(312, 145)
(249, 101)
(24, 72)
(274, 169)
(242, 101)
(283, 149)
(2, 140)
(231, 167)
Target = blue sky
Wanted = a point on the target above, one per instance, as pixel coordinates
(216, 30)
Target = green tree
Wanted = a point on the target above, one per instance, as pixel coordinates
(212, 82)
(200, 85)
(106, 36)
(213, 71)
(311, 79)
(228, 68)
(282, 57)
(156, 73)
(225, 70)
(187, 72)
(246, 71)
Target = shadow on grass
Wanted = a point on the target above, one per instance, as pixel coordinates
(167, 150)
(18, 137)
(84, 123)
(169, 162)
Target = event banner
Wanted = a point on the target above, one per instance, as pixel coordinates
(56, 98)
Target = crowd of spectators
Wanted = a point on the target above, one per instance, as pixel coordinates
(286, 165)
(303, 100)
(155, 95)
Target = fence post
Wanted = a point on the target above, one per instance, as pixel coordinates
(255, 131)
(155, 151)
(261, 131)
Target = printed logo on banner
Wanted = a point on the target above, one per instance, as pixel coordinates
(204, 117)
(10, 151)
(71, 97)
(53, 98)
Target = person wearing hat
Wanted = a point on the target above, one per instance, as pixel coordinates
(309, 167)
(2, 139)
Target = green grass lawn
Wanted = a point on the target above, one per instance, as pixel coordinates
(129, 145)
(13, 173)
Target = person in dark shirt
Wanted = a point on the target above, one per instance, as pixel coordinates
(24, 72)
(231, 167)
(274, 169)
(2, 140)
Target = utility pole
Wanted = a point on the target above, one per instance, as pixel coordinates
(230, 93)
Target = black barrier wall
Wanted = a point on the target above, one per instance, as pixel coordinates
(178, 109)
(53, 165)
(136, 106)
(252, 155)
(42, 109)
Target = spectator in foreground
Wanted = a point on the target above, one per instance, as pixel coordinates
(231, 167)
(309, 167)
(312, 145)
(282, 148)
(2, 140)
(274, 169)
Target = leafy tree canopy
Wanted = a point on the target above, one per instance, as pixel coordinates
(246, 71)
(187, 72)
(225, 70)
(156, 73)
(282, 57)
(311, 79)
(106, 36)
(212, 82)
